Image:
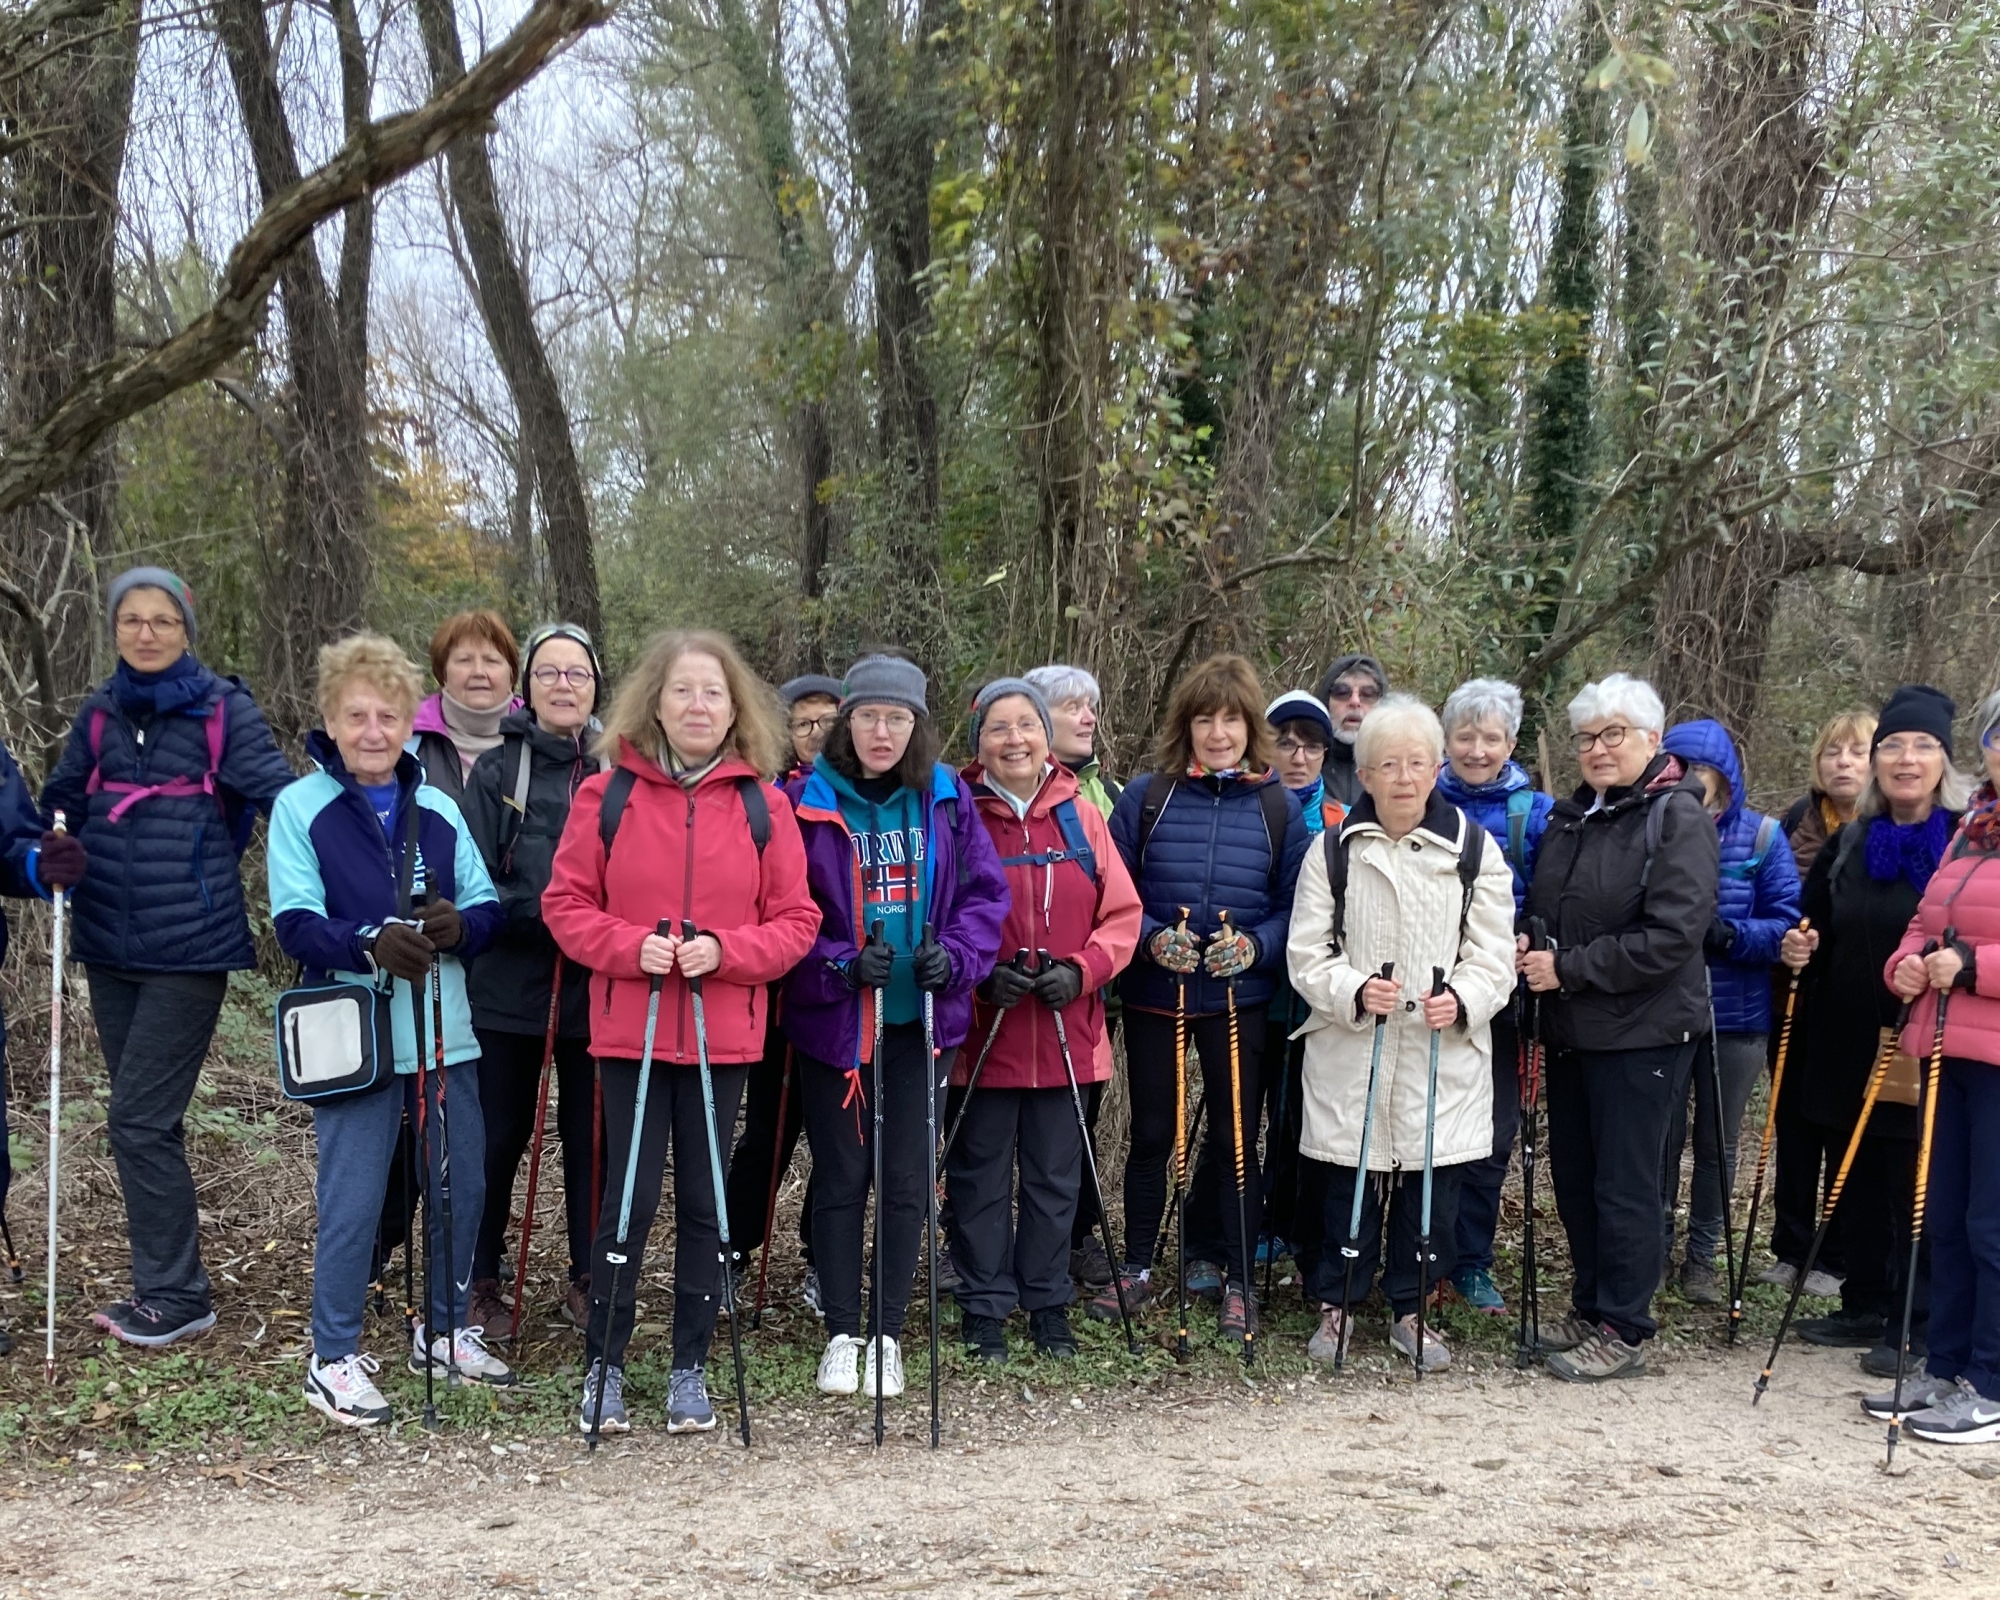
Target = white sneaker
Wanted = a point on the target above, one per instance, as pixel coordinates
(892, 1369)
(1822, 1283)
(1403, 1335)
(840, 1366)
(469, 1362)
(342, 1390)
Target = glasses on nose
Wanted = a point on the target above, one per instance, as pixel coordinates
(1011, 730)
(1366, 693)
(1415, 767)
(1291, 747)
(887, 721)
(1609, 738)
(1904, 749)
(575, 677)
(805, 725)
(158, 627)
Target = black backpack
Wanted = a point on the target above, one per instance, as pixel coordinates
(611, 809)
(1471, 852)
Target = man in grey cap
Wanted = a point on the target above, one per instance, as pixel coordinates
(1353, 687)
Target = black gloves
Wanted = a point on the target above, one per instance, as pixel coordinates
(60, 861)
(1008, 986)
(932, 965)
(1968, 972)
(1720, 937)
(402, 951)
(1058, 983)
(443, 926)
(870, 967)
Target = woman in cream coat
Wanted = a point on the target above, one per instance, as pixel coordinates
(1405, 903)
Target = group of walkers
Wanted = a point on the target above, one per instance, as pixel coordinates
(1346, 939)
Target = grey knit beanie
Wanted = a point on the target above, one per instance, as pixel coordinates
(886, 681)
(152, 578)
(999, 689)
(793, 690)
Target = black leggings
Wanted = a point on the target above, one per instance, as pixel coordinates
(510, 1071)
(1213, 1233)
(673, 1107)
(840, 1125)
(750, 1169)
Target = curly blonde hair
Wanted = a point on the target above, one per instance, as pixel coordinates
(370, 659)
(757, 732)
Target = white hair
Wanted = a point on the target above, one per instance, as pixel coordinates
(1396, 718)
(1619, 695)
(1480, 700)
(1985, 717)
(1058, 683)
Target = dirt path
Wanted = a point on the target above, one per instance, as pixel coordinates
(1479, 1485)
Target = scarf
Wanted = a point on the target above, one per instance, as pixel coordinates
(473, 733)
(1909, 850)
(161, 694)
(1981, 829)
(1220, 774)
(684, 773)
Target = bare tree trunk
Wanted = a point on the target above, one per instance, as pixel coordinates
(65, 116)
(517, 345)
(321, 583)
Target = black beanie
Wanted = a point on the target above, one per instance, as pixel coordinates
(1916, 708)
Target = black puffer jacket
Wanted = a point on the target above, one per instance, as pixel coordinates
(1629, 957)
(509, 983)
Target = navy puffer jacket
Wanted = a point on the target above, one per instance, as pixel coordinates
(163, 892)
(1210, 852)
(1757, 898)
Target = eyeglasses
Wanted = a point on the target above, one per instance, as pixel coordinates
(1291, 747)
(1010, 730)
(1415, 767)
(1366, 693)
(575, 677)
(158, 627)
(1901, 749)
(888, 721)
(1609, 738)
(805, 725)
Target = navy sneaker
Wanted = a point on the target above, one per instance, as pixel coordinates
(688, 1410)
(613, 1419)
(1475, 1287)
(135, 1322)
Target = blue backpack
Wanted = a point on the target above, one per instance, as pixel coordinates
(1076, 846)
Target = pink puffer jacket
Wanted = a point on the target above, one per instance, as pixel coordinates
(1964, 895)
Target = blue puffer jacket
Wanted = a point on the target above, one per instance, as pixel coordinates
(20, 842)
(1209, 852)
(1487, 804)
(1758, 899)
(163, 892)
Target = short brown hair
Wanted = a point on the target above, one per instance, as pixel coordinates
(1221, 683)
(483, 623)
(756, 734)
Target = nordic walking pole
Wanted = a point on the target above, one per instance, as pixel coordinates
(618, 1257)
(1424, 1216)
(1724, 1155)
(420, 1151)
(1877, 1075)
(930, 1189)
(1530, 1342)
(715, 1178)
(1181, 1352)
(979, 1065)
(1195, 1125)
(56, 901)
(1090, 1160)
(1932, 1079)
(881, 996)
(1352, 1249)
(451, 1285)
(1236, 1140)
(535, 1148)
(1764, 1150)
(771, 1204)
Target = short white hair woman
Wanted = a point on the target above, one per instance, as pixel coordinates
(1406, 903)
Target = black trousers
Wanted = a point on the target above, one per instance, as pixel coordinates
(1002, 1263)
(1874, 1221)
(1480, 1181)
(1212, 1227)
(155, 1028)
(1284, 1122)
(765, 1145)
(510, 1073)
(840, 1126)
(1806, 1155)
(1608, 1115)
(1406, 1210)
(676, 1118)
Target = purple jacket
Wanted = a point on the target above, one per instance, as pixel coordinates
(967, 902)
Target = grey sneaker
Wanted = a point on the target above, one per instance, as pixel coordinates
(1601, 1357)
(1403, 1335)
(1566, 1334)
(1324, 1345)
(1963, 1417)
(1779, 1275)
(688, 1410)
(809, 1294)
(1822, 1283)
(1920, 1392)
(1699, 1284)
(614, 1418)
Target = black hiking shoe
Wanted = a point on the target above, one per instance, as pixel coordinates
(1050, 1329)
(1089, 1265)
(1844, 1330)
(984, 1337)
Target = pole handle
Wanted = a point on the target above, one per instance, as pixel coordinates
(1538, 933)
(61, 823)
(665, 930)
(1437, 981)
(1389, 971)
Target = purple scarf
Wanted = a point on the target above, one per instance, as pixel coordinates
(1908, 850)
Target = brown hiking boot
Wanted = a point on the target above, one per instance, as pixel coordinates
(576, 1304)
(485, 1308)
(1600, 1357)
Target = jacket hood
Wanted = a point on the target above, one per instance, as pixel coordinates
(325, 754)
(728, 770)
(1455, 789)
(1709, 743)
(824, 787)
(1059, 785)
(521, 723)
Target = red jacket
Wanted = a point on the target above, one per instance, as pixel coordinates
(1053, 907)
(1964, 895)
(680, 854)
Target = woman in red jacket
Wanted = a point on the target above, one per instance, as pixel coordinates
(701, 837)
(1956, 1399)
(1071, 899)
